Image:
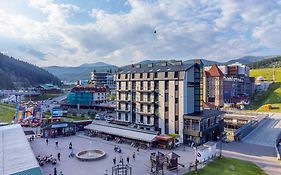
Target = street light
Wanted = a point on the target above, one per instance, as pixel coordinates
(220, 139)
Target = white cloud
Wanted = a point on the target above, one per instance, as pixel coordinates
(185, 29)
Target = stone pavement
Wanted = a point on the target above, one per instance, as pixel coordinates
(72, 166)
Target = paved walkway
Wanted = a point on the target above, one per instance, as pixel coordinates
(263, 156)
(72, 166)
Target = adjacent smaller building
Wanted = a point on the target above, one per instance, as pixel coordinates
(203, 127)
(261, 84)
(103, 79)
(88, 95)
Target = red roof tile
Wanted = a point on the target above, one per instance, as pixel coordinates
(214, 71)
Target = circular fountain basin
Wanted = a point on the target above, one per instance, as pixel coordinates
(90, 154)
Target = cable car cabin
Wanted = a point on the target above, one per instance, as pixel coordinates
(58, 129)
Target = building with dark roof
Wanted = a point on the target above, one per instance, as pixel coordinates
(156, 96)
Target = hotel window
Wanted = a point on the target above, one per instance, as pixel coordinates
(176, 74)
(126, 76)
(119, 76)
(155, 75)
(126, 117)
(148, 108)
(148, 120)
(166, 74)
(141, 85)
(141, 118)
(140, 75)
(148, 75)
(126, 85)
(119, 116)
(148, 97)
(133, 75)
(141, 108)
(148, 85)
(176, 100)
(166, 85)
(176, 87)
(119, 84)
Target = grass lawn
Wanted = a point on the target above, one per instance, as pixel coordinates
(6, 114)
(272, 95)
(229, 166)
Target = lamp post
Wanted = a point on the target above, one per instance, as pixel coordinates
(196, 161)
(220, 139)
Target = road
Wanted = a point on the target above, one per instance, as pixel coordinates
(266, 133)
(263, 156)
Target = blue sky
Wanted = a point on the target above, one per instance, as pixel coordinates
(72, 32)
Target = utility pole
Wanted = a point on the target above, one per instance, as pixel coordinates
(274, 73)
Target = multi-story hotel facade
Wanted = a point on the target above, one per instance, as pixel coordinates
(156, 97)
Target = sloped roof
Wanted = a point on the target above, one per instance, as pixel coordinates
(214, 71)
(122, 132)
(15, 152)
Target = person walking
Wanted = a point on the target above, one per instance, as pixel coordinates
(114, 160)
(57, 144)
(70, 145)
(138, 149)
(47, 141)
(59, 156)
(105, 172)
(60, 173)
(55, 171)
(134, 156)
(128, 160)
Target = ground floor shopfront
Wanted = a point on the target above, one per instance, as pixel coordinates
(58, 130)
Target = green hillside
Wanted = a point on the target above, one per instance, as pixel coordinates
(267, 73)
(272, 95)
(266, 63)
(17, 74)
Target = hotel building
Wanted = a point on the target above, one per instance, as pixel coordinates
(157, 96)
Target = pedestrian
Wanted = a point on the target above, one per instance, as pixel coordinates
(134, 156)
(60, 173)
(59, 156)
(55, 171)
(47, 141)
(57, 144)
(105, 172)
(114, 160)
(138, 149)
(128, 160)
(70, 145)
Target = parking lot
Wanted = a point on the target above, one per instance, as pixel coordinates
(69, 166)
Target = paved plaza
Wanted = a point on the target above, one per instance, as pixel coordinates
(73, 166)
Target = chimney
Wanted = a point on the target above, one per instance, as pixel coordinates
(150, 65)
(178, 62)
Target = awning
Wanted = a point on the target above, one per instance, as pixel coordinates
(122, 132)
(16, 154)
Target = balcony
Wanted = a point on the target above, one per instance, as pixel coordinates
(144, 102)
(144, 112)
(123, 110)
(123, 100)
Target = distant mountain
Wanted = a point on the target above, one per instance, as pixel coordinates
(97, 64)
(205, 62)
(17, 74)
(266, 63)
(246, 59)
(82, 72)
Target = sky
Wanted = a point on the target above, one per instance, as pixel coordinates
(120, 32)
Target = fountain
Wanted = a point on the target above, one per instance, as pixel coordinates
(90, 154)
